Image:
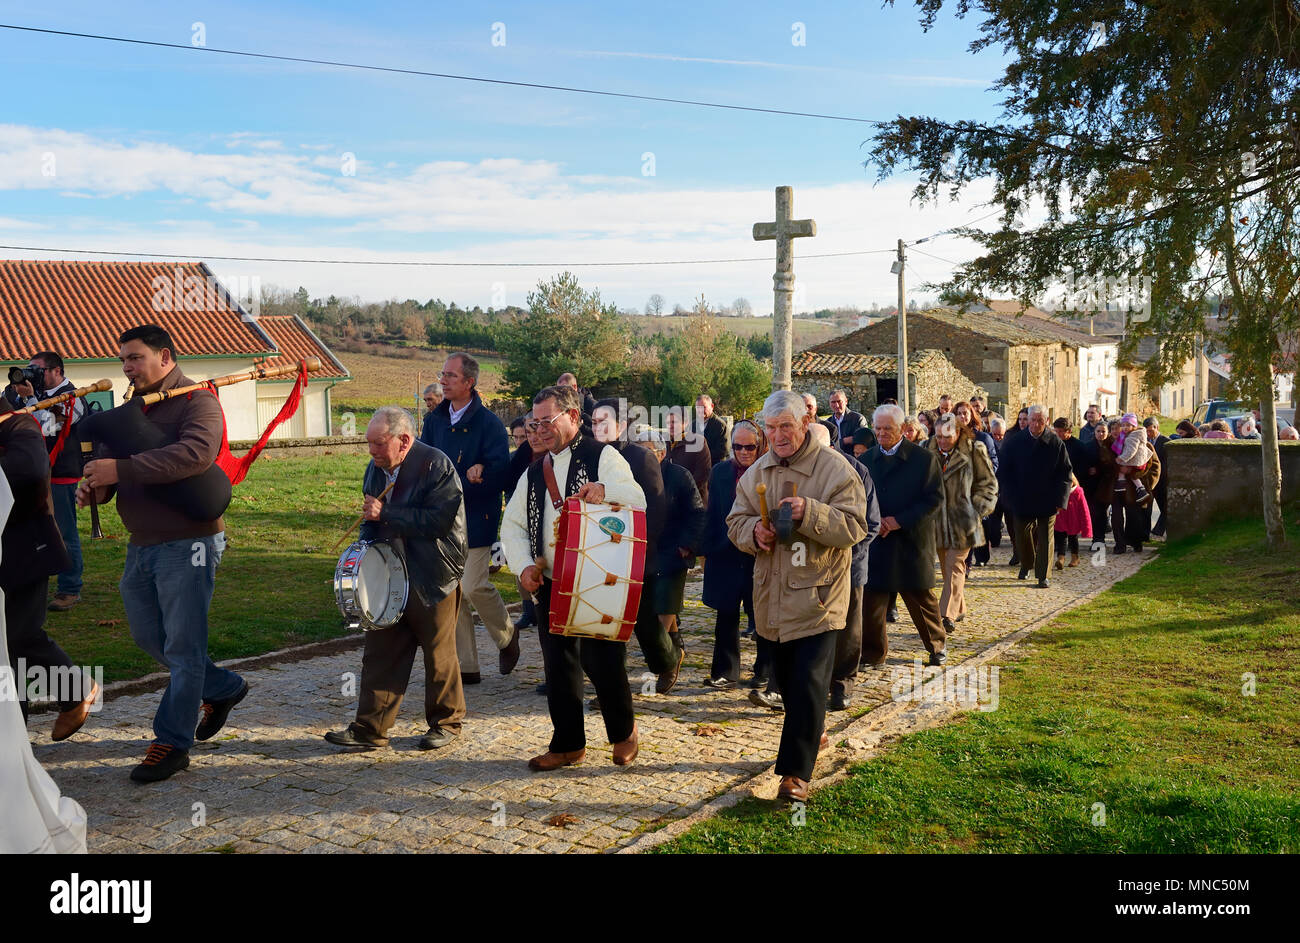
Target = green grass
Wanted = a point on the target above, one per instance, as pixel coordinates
(275, 583)
(1134, 700)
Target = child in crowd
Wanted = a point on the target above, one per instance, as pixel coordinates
(1071, 524)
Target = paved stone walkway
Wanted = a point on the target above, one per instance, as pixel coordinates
(270, 783)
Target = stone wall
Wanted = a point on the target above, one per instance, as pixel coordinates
(989, 363)
(324, 445)
(926, 383)
(1213, 479)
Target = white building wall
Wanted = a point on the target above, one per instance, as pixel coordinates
(1098, 369)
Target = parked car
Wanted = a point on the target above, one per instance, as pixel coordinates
(1230, 410)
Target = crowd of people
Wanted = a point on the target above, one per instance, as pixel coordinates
(811, 529)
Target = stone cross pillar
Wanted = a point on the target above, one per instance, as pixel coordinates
(783, 231)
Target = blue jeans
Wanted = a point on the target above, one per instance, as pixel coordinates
(166, 589)
(65, 515)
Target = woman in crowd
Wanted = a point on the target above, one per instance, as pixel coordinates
(914, 430)
(729, 572)
(926, 419)
(970, 491)
(1186, 430)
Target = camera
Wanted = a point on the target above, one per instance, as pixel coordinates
(29, 374)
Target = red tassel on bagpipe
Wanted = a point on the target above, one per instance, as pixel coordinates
(237, 468)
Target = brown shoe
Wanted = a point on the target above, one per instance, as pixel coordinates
(1074, 559)
(509, 656)
(664, 683)
(69, 722)
(793, 789)
(62, 602)
(1060, 561)
(550, 761)
(825, 742)
(625, 752)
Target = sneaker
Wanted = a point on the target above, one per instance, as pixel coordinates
(62, 602)
(215, 714)
(720, 684)
(435, 738)
(160, 762)
(773, 702)
(891, 615)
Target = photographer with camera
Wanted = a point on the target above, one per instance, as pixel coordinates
(41, 379)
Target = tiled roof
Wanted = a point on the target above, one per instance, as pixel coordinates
(79, 309)
(1025, 329)
(812, 363)
(297, 342)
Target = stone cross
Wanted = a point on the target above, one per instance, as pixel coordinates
(783, 231)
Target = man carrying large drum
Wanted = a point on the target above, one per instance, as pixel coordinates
(575, 467)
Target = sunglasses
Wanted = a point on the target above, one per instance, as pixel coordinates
(743, 448)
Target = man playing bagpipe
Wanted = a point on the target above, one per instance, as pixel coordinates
(171, 560)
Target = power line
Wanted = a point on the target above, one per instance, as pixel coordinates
(437, 75)
(249, 258)
(932, 256)
(945, 232)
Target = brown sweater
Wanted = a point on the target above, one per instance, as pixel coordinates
(195, 421)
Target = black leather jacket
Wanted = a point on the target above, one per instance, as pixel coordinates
(426, 509)
(32, 546)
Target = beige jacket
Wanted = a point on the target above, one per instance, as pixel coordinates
(802, 589)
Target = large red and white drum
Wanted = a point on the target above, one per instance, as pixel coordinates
(600, 562)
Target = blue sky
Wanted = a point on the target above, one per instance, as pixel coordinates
(125, 147)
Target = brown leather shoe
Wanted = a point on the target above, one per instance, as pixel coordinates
(664, 683)
(62, 602)
(793, 789)
(825, 742)
(625, 752)
(509, 656)
(551, 761)
(69, 722)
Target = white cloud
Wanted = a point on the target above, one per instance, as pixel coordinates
(499, 209)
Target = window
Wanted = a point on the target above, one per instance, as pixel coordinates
(1024, 373)
(1051, 368)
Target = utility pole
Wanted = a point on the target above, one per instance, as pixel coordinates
(902, 333)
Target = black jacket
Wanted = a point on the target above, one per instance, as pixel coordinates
(715, 433)
(1034, 474)
(861, 560)
(728, 571)
(31, 547)
(478, 439)
(426, 510)
(1158, 445)
(647, 474)
(909, 488)
(843, 439)
(683, 521)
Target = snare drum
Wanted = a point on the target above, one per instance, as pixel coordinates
(599, 564)
(370, 585)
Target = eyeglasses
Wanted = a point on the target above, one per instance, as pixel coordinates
(536, 424)
(447, 375)
(737, 447)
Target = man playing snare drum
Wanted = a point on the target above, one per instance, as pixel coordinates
(425, 508)
(593, 472)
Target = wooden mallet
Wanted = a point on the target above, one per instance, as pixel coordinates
(357, 522)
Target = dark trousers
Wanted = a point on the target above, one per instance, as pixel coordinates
(24, 627)
(1062, 540)
(1011, 530)
(656, 644)
(726, 642)
(803, 670)
(1033, 543)
(1097, 511)
(992, 537)
(565, 659)
(1160, 494)
(1128, 521)
(386, 664)
(763, 674)
(848, 647)
(921, 604)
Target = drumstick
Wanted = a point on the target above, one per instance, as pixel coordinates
(762, 504)
(357, 522)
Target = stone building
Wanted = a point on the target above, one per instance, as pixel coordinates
(868, 379)
(1018, 359)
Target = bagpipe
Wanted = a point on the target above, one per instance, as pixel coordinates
(125, 430)
(99, 386)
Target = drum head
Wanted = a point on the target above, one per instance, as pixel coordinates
(370, 585)
(381, 587)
